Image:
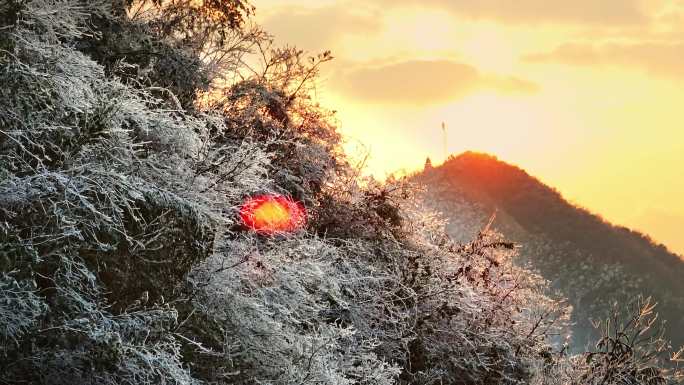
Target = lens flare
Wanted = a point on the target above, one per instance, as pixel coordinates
(272, 214)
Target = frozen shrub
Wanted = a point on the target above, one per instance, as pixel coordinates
(631, 350)
(20, 307)
(122, 259)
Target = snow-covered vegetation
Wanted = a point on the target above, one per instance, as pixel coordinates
(590, 262)
(131, 131)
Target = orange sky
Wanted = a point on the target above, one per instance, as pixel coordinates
(587, 95)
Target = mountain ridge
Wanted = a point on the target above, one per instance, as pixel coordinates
(493, 166)
(558, 238)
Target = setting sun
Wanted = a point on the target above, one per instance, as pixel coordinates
(271, 214)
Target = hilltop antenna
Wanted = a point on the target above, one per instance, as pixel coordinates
(444, 140)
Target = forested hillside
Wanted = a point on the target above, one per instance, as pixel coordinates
(588, 260)
(130, 134)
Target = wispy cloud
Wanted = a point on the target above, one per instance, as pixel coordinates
(659, 58)
(423, 81)
(320, 28)
(616, 12)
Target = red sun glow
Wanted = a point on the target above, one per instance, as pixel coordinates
(272, 214)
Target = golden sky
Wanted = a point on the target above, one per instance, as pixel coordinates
(587, 95)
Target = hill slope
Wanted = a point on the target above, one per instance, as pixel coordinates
(589, 260)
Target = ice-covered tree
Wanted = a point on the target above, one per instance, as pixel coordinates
(130, 132)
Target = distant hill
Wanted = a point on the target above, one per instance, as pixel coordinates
(588, 260)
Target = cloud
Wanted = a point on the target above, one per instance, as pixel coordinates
(602, 12)
(660, 58)
(320, 27)
(570, 53)
(422, 82)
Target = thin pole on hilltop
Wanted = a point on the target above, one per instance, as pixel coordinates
(444, 140)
